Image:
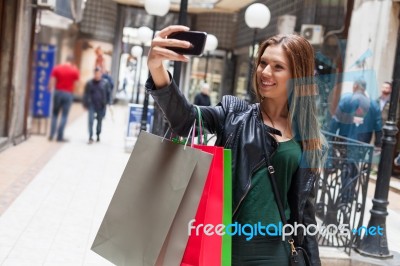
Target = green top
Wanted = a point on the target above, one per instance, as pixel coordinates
(259, 205)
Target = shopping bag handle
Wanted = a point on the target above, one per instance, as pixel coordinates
(192, 132)
(200, 124)
(202, 139)
(184, 141)
(201, 127)
(165, 135)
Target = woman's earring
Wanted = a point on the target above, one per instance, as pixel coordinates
(262, 98)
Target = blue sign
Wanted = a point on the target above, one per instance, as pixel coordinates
(44, 63)
(135, 117)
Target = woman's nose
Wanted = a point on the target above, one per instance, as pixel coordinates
(267, 71)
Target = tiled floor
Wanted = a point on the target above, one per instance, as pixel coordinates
(56, 217)
(20, 164)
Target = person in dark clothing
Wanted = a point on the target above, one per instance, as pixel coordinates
(203, 98)
(357, 116)
(95, 100)
(384, 101)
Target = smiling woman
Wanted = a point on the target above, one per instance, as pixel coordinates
(284, 84)
(283, 124)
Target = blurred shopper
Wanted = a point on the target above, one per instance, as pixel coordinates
(203, 97)
(62, 82)
(357, 116)
(95, 101)
(384, 101)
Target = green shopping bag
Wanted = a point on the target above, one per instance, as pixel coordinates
(226, 251)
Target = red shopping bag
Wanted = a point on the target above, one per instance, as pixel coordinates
(202, 249)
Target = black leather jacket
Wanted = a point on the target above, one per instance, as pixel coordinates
(238, 126)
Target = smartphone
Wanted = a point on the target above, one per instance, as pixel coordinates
(196, 38)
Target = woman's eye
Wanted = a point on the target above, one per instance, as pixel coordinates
(278, 67)
(263, 63)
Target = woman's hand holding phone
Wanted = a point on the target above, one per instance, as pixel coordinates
(159, 52)
(173, 43)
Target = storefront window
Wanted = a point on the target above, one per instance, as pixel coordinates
(215, 69)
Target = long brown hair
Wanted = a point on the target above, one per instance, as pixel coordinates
(302, 94)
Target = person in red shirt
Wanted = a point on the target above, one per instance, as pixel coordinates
(62, 82)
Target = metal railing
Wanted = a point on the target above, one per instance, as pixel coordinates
(341, 191)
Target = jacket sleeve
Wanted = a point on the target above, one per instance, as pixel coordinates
(180, 113)
(310, 243)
